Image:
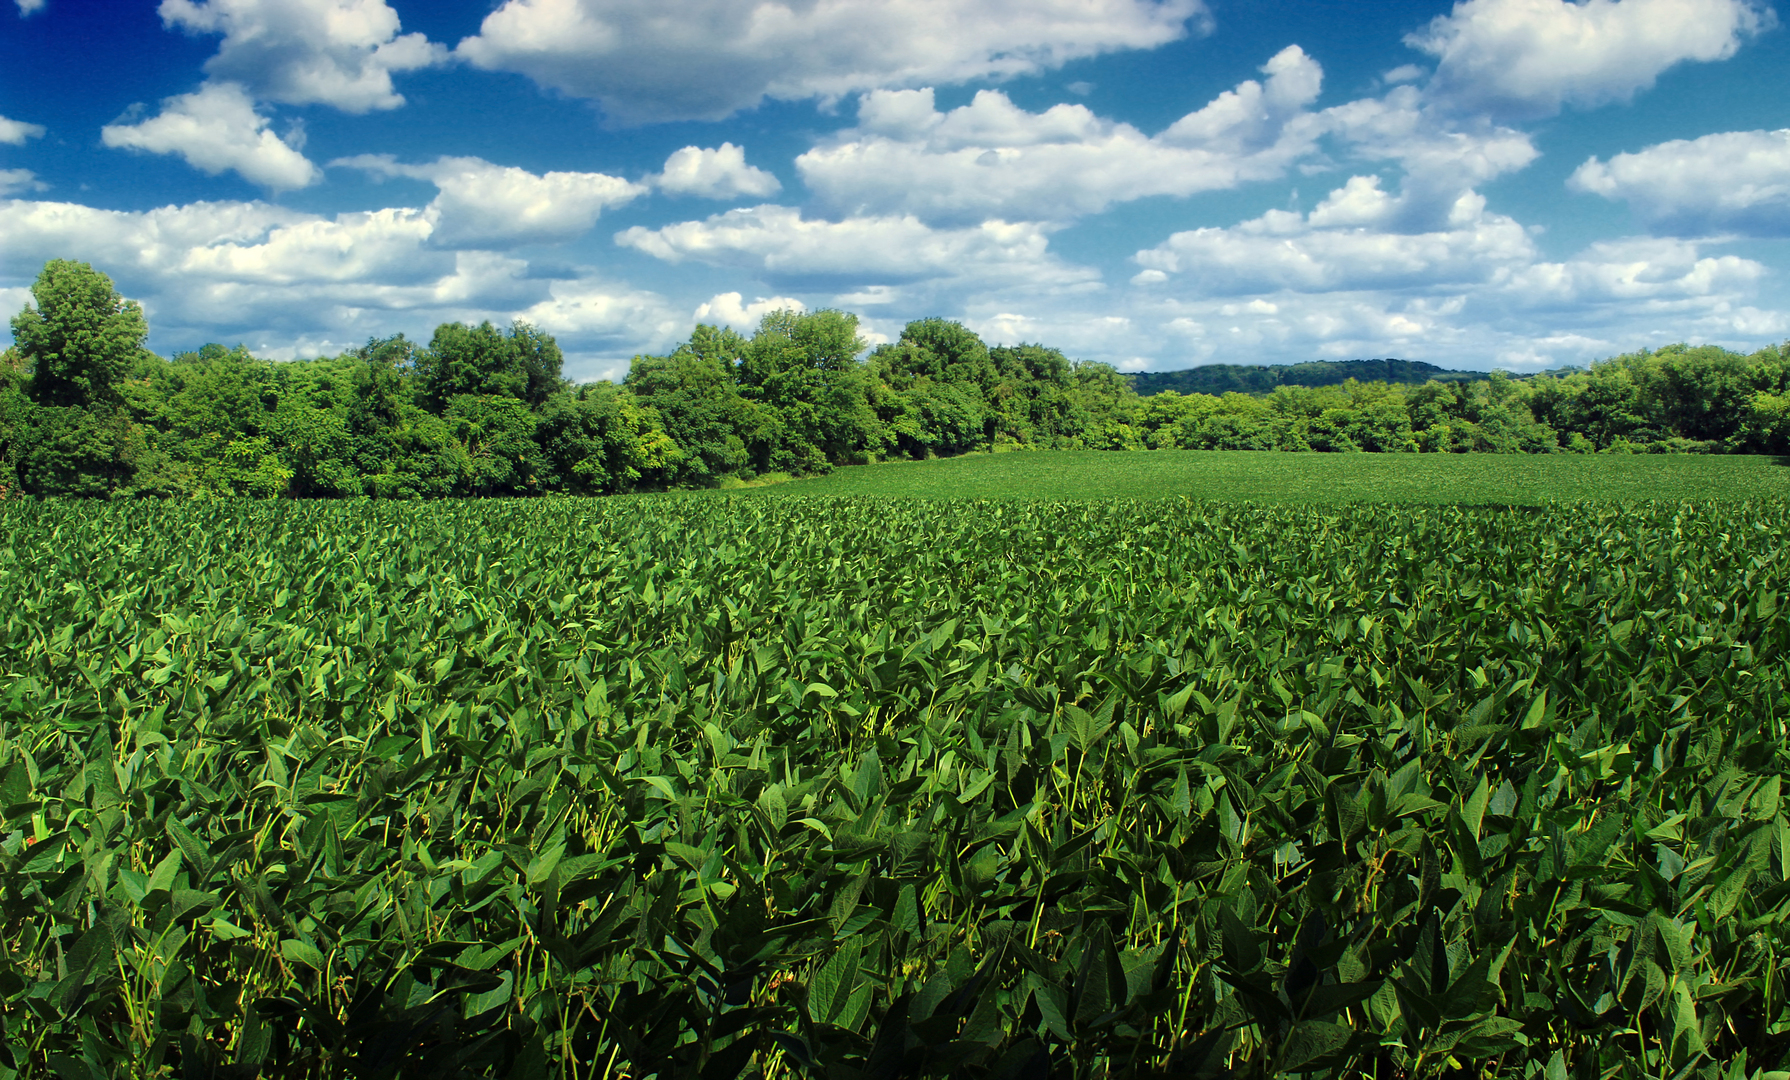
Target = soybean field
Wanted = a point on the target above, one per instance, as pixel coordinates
(1275, 477)
(859, 788)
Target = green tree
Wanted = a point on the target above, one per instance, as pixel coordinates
(481, 360)
(1765, 426)
(316, 449)
(602, 440)
(426, 460)
(1032, 400)
(696, 394)
(936, 349)
(13, 407)
(541, 361)
(804, 366)
(66, 450)
(80, 339)
(380, 390)
(936, 418)
(502, 453)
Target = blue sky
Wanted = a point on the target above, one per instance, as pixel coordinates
(1154, 183)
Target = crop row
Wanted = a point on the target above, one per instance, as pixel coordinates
(860, 788)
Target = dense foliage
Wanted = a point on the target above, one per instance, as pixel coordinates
(85, 410)
(714, 787)
(1220, 379)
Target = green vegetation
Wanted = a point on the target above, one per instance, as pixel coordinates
(480, 411)
(1435, 479)
(1220, 379)
(711, 787)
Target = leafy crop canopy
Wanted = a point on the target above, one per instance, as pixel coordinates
(685, 787)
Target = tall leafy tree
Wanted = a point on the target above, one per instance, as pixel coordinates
(696, 394)
(80, 339)
(541, 361)
(380, 392)
(804, 365)
(938, 349)
(524, 364)
(601, 440)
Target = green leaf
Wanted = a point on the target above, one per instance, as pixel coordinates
(1175, 705)
(868, 779)
(775, 807)
(1538, 710)
(1053, 1006)
(194, 849)
(301, 952)
(477, 1004)
(832, 984)
(1181, 798)
(161, 879)
(659, 784)
(1310, 1041)
(1241, 952)
(1085, 731)
(1473, 810)
(225, 930)
(542, 865)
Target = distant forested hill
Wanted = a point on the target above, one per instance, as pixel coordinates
(1263, 378)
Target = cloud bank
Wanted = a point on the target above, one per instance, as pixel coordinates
(992, 158)
(1733, 181)
(656, 60)
(499, 206)
(986, 209)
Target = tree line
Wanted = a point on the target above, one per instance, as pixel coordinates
(1221, 379)
(86, 410)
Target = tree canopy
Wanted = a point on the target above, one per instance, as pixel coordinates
(80, 339)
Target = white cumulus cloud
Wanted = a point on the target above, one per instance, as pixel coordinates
(606, 322)
(379, 245)
(217, 128)
(1529, 58)
(192, 263)
(494, 206)
(778, 243)
(1441, 155)
(30, 7)
(340, 53)
(1662, 274)
(992, 158)
(1343, 244)
(649, 60)
(15, 180)
(720, 173)
(1732, 181)
(15, 132)
(731, 309)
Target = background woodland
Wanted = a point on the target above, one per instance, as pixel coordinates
(87, 410)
